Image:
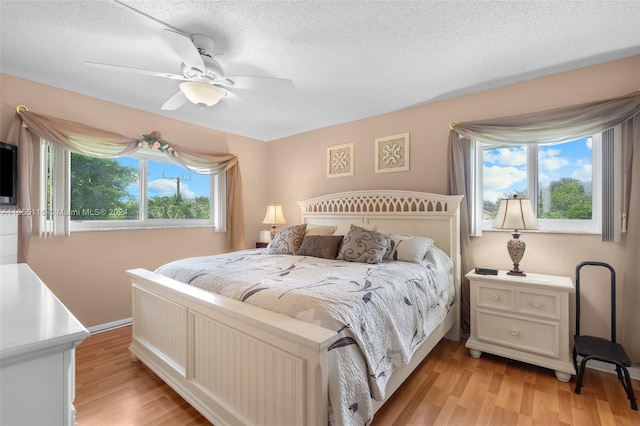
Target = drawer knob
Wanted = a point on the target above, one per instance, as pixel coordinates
(536, 303)
(495, 298)
(514, 332)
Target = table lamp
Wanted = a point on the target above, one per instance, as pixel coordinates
(274, 217)
(517, 214)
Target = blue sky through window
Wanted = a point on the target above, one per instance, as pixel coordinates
(505, 168)
(163, 180)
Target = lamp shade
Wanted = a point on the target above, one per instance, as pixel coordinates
(515, 213)
(203, 94)
(274, 215)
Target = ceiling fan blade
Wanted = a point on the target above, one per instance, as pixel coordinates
(135, 70)
(185, 49)
(175, 102)
(260, 83)
(235, 100)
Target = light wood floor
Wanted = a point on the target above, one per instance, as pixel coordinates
(449, 388)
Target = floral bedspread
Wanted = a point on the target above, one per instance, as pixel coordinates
(381, 311)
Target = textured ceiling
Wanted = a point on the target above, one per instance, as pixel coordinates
(347, 59)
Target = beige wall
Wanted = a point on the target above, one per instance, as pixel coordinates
(86, 271)
(301, 168)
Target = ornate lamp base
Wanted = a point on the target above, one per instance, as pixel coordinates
(516, 248)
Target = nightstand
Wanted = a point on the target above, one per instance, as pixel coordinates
(260, 244)
(522, 318)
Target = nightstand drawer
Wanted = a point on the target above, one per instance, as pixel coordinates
(540, 303)
(530, 335)
(495, 297)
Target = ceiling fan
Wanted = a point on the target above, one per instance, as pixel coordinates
(204, 82)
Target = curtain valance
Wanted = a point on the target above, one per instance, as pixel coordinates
(87, 140)
(554, 125)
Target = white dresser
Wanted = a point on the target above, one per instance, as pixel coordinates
(8, 237)
(522, 318)
(38, 336)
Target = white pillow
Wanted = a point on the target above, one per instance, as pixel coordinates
(345, 227)
(319, 230)
(409, 248)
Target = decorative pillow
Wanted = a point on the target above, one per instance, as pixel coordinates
(344, 227)
(363, 245)
(325, 246)
(319, 230)
(409, 248)
(287, 240)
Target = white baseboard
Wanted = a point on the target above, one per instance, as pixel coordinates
(109, 325)
(634, 371)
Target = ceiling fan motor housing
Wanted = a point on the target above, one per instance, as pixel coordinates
(213, 72)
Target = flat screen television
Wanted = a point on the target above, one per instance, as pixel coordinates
(8, 174)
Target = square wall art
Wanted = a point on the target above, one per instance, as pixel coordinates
(392, 153)
(340, 160)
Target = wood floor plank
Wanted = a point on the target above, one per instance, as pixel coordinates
(447, 412)
(449, 387)
(564, 402)
(489, 408)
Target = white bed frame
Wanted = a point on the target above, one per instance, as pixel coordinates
(240, 364)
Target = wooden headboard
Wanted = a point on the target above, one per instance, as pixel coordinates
(394, 212)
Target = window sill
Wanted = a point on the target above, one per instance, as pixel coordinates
(548, 231)
(143, 228)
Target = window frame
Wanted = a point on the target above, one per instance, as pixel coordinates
(217, 201)
(578, 226)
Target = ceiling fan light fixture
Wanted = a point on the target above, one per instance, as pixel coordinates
(202, 94)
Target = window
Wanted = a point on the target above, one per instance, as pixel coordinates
(562, 180)
(147, 190)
